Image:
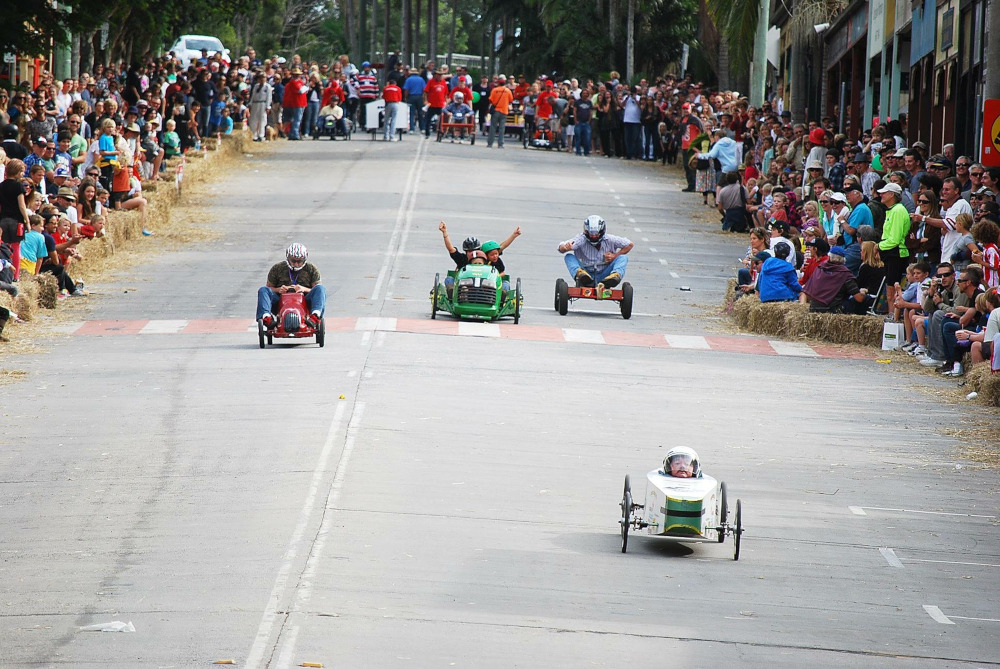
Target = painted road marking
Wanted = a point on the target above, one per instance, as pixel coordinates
(626, 213)
(378, 327)
(618, 197)
(688, 341)
(985, 620)
(653, 250)
(645, 239)
(793, 348)
(933, 513)
(163, 327)
(935, 613)
(890, 557)
(964, 564)
(663, 261)
(632, 220)
(857, 511)
(467, 329)
(577, 336)
(674, 275)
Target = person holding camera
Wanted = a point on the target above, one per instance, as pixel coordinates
(949, 299)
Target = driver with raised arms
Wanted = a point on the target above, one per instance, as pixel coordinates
(596, 256)
(295, 275)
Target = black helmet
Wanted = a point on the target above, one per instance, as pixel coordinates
(470, 244)
(594, 228)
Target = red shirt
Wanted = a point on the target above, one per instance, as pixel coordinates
(521, 90)
(464, 90)
(296, 91)
(542, 107)
(332, 90)
(392, 93)
(437, 93)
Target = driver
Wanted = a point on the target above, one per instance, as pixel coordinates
(596, 256)
(682, 462)
(457, 111)
(295, 275)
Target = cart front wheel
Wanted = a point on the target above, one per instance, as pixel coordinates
(626, 304)
(562, 297)
(261, 334)
(434, 296)
(723, 512)
(321, 333)
(517, 302)
(738, 530)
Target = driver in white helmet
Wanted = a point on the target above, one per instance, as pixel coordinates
(682, 462)
(597, 257)
(457, 111)
(295, 275)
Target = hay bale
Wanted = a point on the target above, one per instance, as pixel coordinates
(981, 379)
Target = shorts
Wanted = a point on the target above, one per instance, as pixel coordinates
(895, 266)
(987, 350)
(116, 197)
(29, 266)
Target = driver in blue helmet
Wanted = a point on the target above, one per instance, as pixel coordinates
(597, 257)
(295, 275)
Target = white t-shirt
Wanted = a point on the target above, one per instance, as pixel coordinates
(792, 258)
(950, 237)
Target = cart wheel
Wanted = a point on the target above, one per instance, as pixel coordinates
(321, 333)
(626, 520)
(562, 296)
(738, 530)
(723, 512)
(270, 339)
(434, 296)
(517, 302)
(261, 334)
(472, 138)
(440, 135)
(626, 304)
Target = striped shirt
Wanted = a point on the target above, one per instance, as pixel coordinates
(367, 84)
(591, 256)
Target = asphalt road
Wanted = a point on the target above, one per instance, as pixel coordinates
(424, 494)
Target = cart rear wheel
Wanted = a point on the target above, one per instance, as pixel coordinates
(723, 512)
(738, 530)
(434, 296)
(321, 333)
(261, 334)
(517, 302)
(562, 297)
(626, 512)
(626, 304)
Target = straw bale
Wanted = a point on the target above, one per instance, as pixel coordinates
(794, 320)
(981, 379)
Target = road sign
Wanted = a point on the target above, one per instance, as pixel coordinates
(10, 58)
(990, 155)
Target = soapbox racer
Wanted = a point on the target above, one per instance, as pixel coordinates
(544, 136)
(477, 294)
(327, 126)
(691, 509)
(292, 322)
(566, 293)
(458, 126)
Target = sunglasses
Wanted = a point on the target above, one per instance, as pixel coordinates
(962, 164)
(924, 201)
(824, 202)
(962, 280)
(944, 276)
(975, 174)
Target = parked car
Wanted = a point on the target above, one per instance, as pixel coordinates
(188, 47)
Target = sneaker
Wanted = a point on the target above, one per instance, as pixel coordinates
(612, 280)
(583, 278)
(956, 371)
(918, 351)
(79, 285)
(909, 346)
(943, 368)
(315, 318)
(78, 293)
(928, 361)
(268, 321)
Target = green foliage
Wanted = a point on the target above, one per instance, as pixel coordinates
(737, 24)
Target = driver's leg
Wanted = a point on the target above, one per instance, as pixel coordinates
(316, 299)
(267, 301)
(580, 276)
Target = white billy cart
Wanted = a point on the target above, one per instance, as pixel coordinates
(375, 118)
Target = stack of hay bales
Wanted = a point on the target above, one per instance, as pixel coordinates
(793, 320)
(981, 379)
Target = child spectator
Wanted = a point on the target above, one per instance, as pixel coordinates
(93, 229)
(226, 124)
(986, 232)
(171, 140)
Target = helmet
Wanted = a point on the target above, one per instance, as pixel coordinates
(296, 253)
(459, 96)
(685, 455)
(490, 246)
(594, 228)
(478, 255)
(470, 244)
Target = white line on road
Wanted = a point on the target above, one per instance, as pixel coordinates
(645, 239)
(406, 203)
(612, 189)
(793, 348)
(618, 197)
(966, 564)
(378, 323)
(583, 336)
(626, 213)
(467, 329)
(379, 337)
(935, 613)
(653, 250)
(303, 590)
(351, 374)
(621, 204)
(73, 326)
(933, 513)
(985, 620)
(637, 229)
(366, 337)
(688, 341)
(166, 327)
(857, 511)
(270, 615)
(369, 373)
(632, 220)
(674, 275)
(663, 261)
(890, 557)
(603, 313)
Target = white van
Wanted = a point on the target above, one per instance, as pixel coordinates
(188, 48)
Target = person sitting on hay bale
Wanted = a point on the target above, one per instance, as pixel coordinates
(777, 280)
(831, 285)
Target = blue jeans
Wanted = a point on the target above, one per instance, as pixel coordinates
(415, 114)
(295, 121)
(582, 138)
(310, 117)
(268, 300)
(390, 119)
(618, 265)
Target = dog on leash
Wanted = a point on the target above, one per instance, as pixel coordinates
(270, 133)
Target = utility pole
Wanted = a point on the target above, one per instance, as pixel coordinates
(758, 81)
(992, 77)
(630, 43)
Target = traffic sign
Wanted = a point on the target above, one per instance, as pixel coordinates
(990, 155)
(9, 57)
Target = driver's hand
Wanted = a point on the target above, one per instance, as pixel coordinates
(608, 257)
(517, 231)
(442, 227)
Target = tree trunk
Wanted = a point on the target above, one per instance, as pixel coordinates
(87, 51)
(362, 29)
(724, 63)
(405, 32)
(451, 38)
(612, 28)
(432, 29)
(630, 43)
(417, 44)
(385, 36)
(373, 40)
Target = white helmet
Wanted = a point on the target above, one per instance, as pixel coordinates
(296, 253)
(459, 96)
(594, 228)
(683, 454)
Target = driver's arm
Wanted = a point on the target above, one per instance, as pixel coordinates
(510, 240)
(566, 246)
(447, 242)
(625, 249)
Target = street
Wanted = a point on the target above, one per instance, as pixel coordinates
(427, 493)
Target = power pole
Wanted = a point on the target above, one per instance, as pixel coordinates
(630, 43)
